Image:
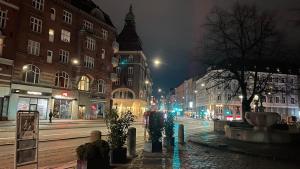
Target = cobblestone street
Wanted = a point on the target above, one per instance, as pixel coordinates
(192, 156)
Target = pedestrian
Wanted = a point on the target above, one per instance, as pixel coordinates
(50, 116)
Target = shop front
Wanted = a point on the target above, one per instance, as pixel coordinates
(32, 98)
(64, 104)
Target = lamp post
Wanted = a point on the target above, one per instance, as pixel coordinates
(256, 100)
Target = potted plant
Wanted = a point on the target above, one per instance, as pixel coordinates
(169, 130)
(92, 155)
(155, 130)
(117, 130)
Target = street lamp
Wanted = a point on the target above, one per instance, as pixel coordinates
(146, 82)
(75, 61)
(256, 98)
(156, 62)
(159, 90)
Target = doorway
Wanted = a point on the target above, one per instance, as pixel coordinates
(81, 112)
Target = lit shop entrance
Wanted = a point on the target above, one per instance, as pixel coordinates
(31, 103)
(81, 112)
(62, 109)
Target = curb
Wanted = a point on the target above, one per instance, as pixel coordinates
(226, 148)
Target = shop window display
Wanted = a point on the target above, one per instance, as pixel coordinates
(34, 104)
(62, 109)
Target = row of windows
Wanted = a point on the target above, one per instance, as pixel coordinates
(62, 79)
(270, 99)
(129, 82)
(67, 17)
(130, 70)
(34, 49)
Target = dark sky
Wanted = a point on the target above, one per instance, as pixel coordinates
(170, 30)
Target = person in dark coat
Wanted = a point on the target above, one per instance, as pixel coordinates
(50, 116)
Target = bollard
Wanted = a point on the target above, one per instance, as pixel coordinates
(181, 134)
(131, 142)
(95, 135)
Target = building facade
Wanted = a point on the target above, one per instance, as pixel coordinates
(63, 59)
(221, 102)
(132, 91)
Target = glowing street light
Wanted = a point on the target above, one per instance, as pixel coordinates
(159, 90)
(146, 82)
(75, 61)
(156, 62)
(25, 67)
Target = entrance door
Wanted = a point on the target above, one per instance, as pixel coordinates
(81, 112)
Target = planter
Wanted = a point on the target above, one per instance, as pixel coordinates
(118, 155)
(262, 120)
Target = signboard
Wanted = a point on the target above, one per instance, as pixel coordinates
(27, 136)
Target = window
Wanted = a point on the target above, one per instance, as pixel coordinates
(101, 86)
(270, 99)
(90, 43)
(282, 80)
(49, 56)
(65, 36)
(88, 25)
(118, 70)
(64, 56)
(130, 59)
(129, 81)
(31, 73)
(229, 97)
(219, 97)
(283, 100)
(84, 83)
(62, 79)
(33, 48)
(67, 17)
(103, 54)
(276, 99)
(130, 70)
(52, 14)
(88, 62)
(3, 19)
(104, 34)
(292, 101)
(36, 24)
(38, 4)
(276, 79)
(51, 35)
(117, 82)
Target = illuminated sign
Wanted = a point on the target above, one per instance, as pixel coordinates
(34, 93)
(65, 94)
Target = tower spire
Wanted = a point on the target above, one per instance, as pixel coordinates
(130, 18)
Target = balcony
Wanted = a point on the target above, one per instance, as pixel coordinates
(113, 77)
(114, 61)
(115, 46)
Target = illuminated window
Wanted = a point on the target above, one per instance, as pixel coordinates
(65, 36)
(51, 35)
(31, 73)
(84, 83)
(101, 86)
(49, 56)
(62, 79)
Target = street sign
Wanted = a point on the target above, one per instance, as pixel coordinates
(27, 137)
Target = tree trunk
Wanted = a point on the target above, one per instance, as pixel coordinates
(245, 108)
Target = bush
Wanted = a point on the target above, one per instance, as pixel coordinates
(155, 126)
(96, 154)
(118, 127)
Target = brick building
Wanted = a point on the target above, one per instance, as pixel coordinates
(64, 59)
(133, 88)
(9, 11)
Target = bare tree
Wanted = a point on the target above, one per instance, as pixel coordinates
(239, 44)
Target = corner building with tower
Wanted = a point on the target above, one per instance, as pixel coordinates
(133, 88)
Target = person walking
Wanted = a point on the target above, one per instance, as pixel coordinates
(50, 116)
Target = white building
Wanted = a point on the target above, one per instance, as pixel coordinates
(220, 101)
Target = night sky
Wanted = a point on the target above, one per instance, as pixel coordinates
(171, 30)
